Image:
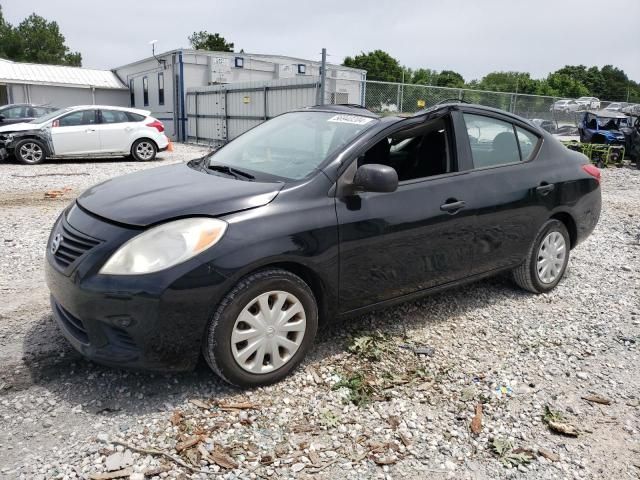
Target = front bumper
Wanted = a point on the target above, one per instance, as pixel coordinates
(150, 322)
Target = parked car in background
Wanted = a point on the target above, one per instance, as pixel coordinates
(589, 103)
(22, 112)
(633, 109)
(315, 215)
(615, 106)
(565, 106)
(85, 131)
(548, 125)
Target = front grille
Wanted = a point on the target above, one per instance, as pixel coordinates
(73, 324)
(73, 245)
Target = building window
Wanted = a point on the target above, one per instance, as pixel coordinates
(239, 62)
(302, 68)
(132, 93)
(145, 91)
(161, 88)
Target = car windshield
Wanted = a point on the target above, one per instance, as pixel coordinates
(50, 116)
(291, 146)
(605, 123)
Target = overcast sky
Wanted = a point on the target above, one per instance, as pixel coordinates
(469, 36)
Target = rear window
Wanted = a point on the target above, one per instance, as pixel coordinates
(134, 117)
(114, 116)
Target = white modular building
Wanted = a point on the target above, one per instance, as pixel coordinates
(160, 83)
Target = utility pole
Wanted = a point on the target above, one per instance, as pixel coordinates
(323, 77)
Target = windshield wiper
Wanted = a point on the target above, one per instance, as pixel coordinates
(231, 171)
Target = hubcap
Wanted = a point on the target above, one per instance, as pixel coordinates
(144, 150)
(551, 255)
(268, 332)
(31, 152)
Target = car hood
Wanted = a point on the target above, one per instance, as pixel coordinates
(174, 191)
(19, 127)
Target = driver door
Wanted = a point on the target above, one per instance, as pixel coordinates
(412, 239)
(76, 134)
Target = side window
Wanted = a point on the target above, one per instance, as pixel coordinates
(160, 88)
(417, 152)
(39, 111)
(134, 117)
(14, 112)
(82, 117)
(114, 116)
(528, 142)
(493, 142)
(145, 91)
(132, 93)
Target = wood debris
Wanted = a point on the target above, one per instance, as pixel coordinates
(548, 454)
(188, 443)
(597, 399)
(476, 421)
(126, 472)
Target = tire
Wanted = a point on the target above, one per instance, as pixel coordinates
(527, 275)
(227, 351)
(144, 150)
(30, 151)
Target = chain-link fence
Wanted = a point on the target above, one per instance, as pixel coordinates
(392, 98)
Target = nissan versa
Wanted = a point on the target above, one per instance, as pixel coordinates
(317, 214)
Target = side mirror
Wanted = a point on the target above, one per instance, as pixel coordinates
(376, 178)
(1, 117)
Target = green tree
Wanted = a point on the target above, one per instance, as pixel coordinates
(520, 82)
(378, 64)
(564, 85)
(36, 40)
(424, 76)
(212, 42)
(449, 78)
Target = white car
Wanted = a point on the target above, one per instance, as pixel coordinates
(565, 106)
(85, 131)
(589, 102)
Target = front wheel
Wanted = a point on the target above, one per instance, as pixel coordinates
(143, 150)
(262, 329)
(30, 151)
(547, 260)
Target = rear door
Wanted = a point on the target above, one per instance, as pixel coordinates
(75, 133)
(509, 189)
(116, 131)
(418, 237)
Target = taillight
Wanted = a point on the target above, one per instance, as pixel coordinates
(592, 170)
(156, 124)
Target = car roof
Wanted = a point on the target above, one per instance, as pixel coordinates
(350, 108)
(607, 113)
(146, 113)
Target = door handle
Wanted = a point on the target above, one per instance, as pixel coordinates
(545, 188)
(452, 207)
(128, 129)
(89, 130)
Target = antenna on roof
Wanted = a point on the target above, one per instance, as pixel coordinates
(153, 52)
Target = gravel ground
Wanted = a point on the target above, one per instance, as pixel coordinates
(500, 369)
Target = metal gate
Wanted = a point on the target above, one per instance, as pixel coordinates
(219, 113)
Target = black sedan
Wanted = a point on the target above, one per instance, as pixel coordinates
(315, 215)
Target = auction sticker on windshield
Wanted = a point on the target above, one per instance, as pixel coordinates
(353, 119)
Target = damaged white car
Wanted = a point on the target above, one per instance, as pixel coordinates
(83, 132)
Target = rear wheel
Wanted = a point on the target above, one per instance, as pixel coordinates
(262, 329)
(29, 151)
(547, 260)
(143, 150)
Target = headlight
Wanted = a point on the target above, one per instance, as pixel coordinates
(165, 246)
